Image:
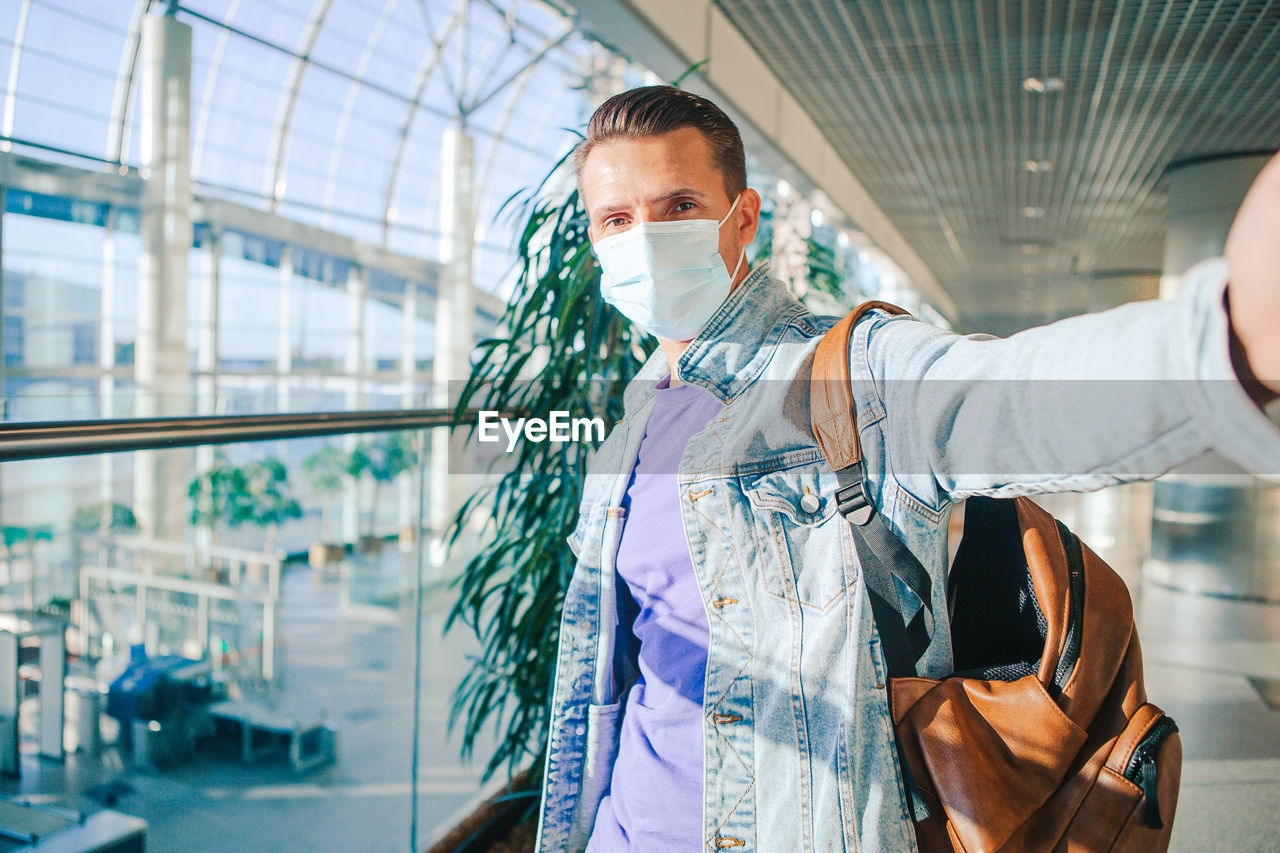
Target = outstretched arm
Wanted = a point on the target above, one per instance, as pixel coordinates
(1253, 289)
(1090, 401)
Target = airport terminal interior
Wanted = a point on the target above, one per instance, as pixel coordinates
(250, 251)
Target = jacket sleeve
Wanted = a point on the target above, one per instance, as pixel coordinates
(1076, 405)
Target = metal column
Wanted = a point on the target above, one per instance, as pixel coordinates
(353, 368)
(210, 272)
(107, 357)
(160, 355)
(407, 486)
(4, 381)
(49, 633)
(284, 336)
(207, 322)
(455, 316)
(10, 696)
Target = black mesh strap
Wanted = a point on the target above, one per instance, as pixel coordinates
(883, 557)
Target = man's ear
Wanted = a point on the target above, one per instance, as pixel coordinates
(749, 220)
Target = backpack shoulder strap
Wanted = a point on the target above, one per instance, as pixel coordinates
(835, 424)
(904, 625)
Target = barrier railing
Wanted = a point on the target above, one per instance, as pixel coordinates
(41, 440)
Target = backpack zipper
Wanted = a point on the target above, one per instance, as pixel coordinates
(1075, 609)
(1141, 769)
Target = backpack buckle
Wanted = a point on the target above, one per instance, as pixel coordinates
(851, 497)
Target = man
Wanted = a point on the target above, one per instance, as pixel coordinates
(719, 682)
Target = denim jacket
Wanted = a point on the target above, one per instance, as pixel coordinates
(798, 747)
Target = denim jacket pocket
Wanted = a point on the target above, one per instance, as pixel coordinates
(597, 771)
(585, 540)
(794, 512)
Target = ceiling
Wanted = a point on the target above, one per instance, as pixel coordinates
(1027, 205)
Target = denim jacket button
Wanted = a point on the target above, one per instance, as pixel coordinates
(809, 503)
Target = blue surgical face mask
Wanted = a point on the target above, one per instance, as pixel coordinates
(667, 277)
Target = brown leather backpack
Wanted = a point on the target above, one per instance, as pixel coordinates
(1042, 739)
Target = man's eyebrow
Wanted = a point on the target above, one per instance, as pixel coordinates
(611, 206)
(606, 207)
(681, 192)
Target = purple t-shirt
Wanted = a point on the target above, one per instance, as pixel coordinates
(654, 800)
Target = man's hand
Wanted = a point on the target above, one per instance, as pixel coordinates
(1253, 269)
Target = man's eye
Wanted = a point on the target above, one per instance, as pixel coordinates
(615, 222)
(685, 207)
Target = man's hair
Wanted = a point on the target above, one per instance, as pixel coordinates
(654, 110)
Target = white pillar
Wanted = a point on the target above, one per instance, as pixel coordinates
(353, 367)
(1215, 529)
(9, 701)
(407, 486)
(107, 319)
(210, 272)
(455, 317)
(107, 353)
(408, 352)
(160, 353)
(4, 382)
(353, 358)
(284, 339)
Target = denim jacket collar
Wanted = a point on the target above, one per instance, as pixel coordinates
(734, 347)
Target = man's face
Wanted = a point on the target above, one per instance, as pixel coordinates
(664, 178)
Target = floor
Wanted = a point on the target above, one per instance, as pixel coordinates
(1212, 664)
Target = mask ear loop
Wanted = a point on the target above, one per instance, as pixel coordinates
(742, 256)
(732, 208)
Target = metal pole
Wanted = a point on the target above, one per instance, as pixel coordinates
(284, 338)
(408, 375)
(455, 315)
(202, 625)
(353, 368)
(8, 703)
(53, 670)
(107, 360)
(419, 581)
(160, 354)
(269, 641)
(207, 360)
(4, 352)
(207, 326)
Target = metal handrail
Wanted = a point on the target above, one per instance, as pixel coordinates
(42, 440)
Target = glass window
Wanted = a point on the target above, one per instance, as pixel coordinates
(323, 183)
(54, 269)
(14, 338)
(84, 343)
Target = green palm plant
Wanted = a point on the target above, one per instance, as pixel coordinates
(511, 590)
(383, 459)
(325, 469)
(257, 493)
(105, 517)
